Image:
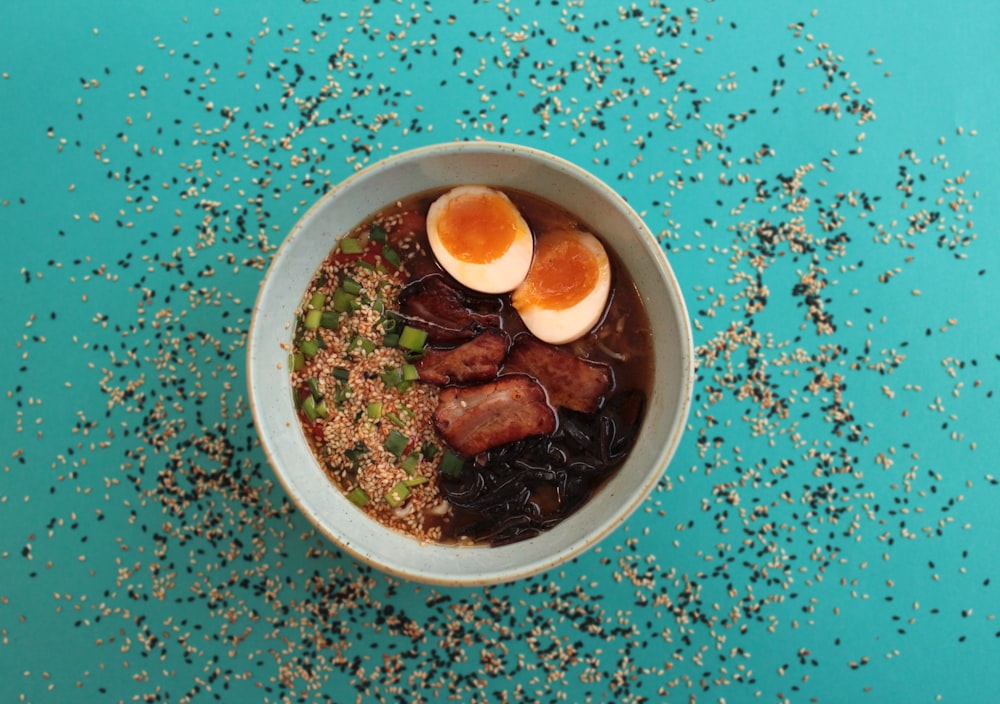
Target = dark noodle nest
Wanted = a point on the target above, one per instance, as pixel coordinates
(520, 489)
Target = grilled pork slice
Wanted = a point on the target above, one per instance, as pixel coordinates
(446, 313)
(571, 382)
(473, 419)
(478, 359)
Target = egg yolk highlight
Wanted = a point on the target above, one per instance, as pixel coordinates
(478, 227)
(564, 271)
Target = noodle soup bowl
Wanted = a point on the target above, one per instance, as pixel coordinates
(369, 191)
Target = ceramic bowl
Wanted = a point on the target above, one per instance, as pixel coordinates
(383, 183)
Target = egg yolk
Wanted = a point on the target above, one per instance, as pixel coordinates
(563, 273)
(478, 227)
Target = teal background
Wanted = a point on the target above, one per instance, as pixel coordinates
(827, 531)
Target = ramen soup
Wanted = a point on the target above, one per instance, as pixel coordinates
(471, 365)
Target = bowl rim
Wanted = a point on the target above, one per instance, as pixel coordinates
(588, 539)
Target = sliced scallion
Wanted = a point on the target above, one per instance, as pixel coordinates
(350, 285)
(358, 497)
(429, 451)
(363, 343)
(341, 393)
(313, 319)
(391, 339)
(314, 388)
(355, 453)
(398, 494)
(410, 462)
(391, 255)
(309, 407)
(351, 245)
(396, 443)
(451, 464)
(329, 319)
(392, 377)
(412, 338)
(343, 302)
(309, 348)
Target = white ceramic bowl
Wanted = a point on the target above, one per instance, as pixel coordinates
(502, 165)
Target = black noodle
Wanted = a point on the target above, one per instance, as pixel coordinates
(516, 491)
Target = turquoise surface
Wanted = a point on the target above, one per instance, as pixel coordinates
(822, 178)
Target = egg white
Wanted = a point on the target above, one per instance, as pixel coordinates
(502, 274)
(561, 325)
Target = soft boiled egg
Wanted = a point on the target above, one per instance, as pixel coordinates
(566, 290)
(479, 237)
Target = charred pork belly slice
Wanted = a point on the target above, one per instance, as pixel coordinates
(447, 314)
(473, 419)
(572, 382)
(478, 359)
(514, 491)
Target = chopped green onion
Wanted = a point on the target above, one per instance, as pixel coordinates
(391, 255)
(358, 497)
(309, 407)
(354, 454)
(377, 233)
(341, 373)
(364, 343)
(341, 393)
(395, 419)
(451, 464)
(410, 462)
(391, 339)
(321, 409)
(351, 245)
(396, 442)
(312, 319)
(412, 338)
(392, 378)
(309, 348)
(366, 265)
(314, 388)
(375, 410)
(296, 361)
(429, 451)
(343, 302)
(410, 373)
(415, 481)
(329, 319)
(317, 300)
(397, 494)
(350, 285)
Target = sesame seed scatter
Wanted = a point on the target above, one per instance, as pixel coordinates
(822, 185)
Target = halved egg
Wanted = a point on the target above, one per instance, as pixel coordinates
(480, 238)
(566, 290)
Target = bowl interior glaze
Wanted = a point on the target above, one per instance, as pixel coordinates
(397, 177)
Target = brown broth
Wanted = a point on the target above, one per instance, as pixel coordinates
(514, 491)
